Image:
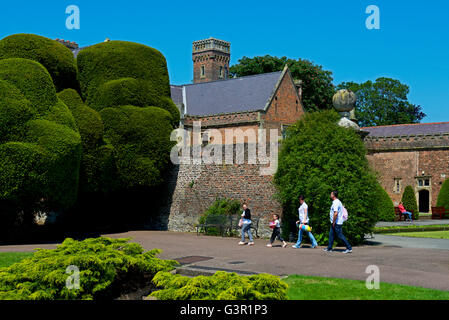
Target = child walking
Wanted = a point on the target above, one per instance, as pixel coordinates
(276, 225)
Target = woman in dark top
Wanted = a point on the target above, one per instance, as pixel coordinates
(246, 228)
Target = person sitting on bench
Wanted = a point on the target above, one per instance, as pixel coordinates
(403, 211)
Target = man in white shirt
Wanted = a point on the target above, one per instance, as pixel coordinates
(336, 219)
(303, 212)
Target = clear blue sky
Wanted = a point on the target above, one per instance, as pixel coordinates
(412, 44)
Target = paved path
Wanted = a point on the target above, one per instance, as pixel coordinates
(419, 267)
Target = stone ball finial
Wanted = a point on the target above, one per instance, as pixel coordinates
(344, 100)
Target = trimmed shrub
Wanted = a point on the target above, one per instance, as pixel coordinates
(409, 201)
(443, 195)
(60, 114)
(220, 286)
(33, 81)
(15, 111)
(384, 205)
(141, 139)
(114, 60)
(317, 157)
(108, 268)
(54, 56)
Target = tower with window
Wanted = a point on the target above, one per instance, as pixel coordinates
(210, 60)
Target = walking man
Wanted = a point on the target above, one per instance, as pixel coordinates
(303, 212)
(336, 218)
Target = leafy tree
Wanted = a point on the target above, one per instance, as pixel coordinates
(443, 195)
(409, 201)
(317, 157)
(317, 87)
(383, 102)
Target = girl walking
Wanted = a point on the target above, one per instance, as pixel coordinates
(276, 232)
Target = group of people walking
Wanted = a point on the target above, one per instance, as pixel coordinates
(336, 217)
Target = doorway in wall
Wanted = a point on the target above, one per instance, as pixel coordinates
(424, 197)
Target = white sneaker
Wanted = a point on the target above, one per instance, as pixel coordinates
(241, 243)
(269, 245)
(251, 243)
(347, 251)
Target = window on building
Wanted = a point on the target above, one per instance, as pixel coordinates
(221, 72)
(397, 185)
(426, 182)
(203, 72)
(284, 128)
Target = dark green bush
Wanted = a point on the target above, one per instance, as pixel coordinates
(409, 201)
(443, 195)
(317, 157)
(222, 207)
(220, 286)
(54, 56)
(384, 205)
(60, 114)
(108, 268)
(15, 111)
(33, 81)
(141, 139)
(114, 60)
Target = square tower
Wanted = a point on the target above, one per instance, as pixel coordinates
(210, 60)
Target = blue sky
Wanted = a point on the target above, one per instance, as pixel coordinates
(412, 44)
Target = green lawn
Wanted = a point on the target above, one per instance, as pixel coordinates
(424, 234)
(318, 288)
(9, 258)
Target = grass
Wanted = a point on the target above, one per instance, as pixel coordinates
(9, 258)
(319, 288)
(421, 234)
(393, 229)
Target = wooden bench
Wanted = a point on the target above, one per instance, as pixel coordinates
(439, 212)
(399, 215)
(219, 222)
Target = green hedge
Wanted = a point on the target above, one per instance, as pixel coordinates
(409, 201)
(114, 60)
(141, 138)
(33, 81)
(220, 286)
(108, 268)
(384, 206)
(54, 56)
(443, 195)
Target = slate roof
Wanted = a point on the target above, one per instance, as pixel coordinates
(241, 94)
(408, 129)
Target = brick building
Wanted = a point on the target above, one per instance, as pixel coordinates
(410, 154)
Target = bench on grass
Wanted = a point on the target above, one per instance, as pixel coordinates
(439, 212)
(399, 216)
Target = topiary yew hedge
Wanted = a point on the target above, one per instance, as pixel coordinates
(409, 201)
(443, 195)
(54, 56)
(384, 205)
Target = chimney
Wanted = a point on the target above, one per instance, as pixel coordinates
(69, 44)
(298, 85)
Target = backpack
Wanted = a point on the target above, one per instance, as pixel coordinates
(344, 213)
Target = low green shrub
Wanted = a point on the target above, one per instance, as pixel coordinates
(443, 195)
(384, 205)
(54, 56)
(220, 286)
(108, 268)
(221, 206)
(409, 201)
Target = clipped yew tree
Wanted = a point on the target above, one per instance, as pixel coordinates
(40, 146)
(384, 205)
(319, 156)
(54, 56)
(128, 85)
(443, 195)
(409, 201)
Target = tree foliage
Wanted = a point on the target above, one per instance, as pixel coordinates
(317, 87)
(409, 201)
(319, 156)
(383, 102)
(384, 205)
